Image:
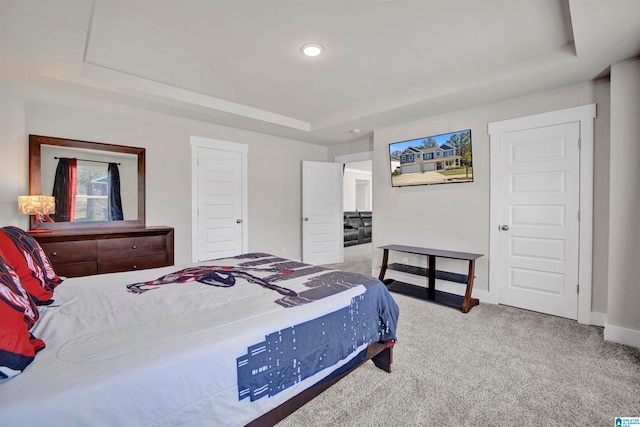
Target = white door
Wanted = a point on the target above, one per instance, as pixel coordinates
(539, 219)
(322, 217)
(220, 205)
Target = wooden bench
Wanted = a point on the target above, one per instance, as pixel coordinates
(464, 303)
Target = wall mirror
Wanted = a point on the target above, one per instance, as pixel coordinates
(92, 159)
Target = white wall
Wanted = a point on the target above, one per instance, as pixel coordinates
(601, 144)
(349, 188)
(623, 312)
(456, 216)
(362, 145)
(274, 163)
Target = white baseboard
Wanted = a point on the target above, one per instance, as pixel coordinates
(617, 334)
(621, 335)
(597, 319)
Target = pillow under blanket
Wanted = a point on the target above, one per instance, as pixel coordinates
(18, 313)
(25, 256)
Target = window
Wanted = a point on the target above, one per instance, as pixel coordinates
(92, 194)
(406, 158)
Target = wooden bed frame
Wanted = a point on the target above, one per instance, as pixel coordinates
(379, 353)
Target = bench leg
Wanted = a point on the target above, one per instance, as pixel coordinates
(431, 277)
(467, 301)
(383, 268)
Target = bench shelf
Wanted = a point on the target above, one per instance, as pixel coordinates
(422, 271)
(464, 303)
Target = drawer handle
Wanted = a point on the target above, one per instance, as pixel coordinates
(135, 267)
(134, 247)
(54, 254)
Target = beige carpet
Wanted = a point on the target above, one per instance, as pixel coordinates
(357, 259)
(496, 365)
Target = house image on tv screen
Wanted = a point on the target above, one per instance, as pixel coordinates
(437, 159)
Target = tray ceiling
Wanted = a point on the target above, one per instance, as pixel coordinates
(238, 63)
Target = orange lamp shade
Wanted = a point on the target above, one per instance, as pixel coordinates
(36, 205)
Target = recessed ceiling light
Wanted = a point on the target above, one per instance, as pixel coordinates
(312, 49)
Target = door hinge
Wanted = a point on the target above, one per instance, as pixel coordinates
(579, 216)
(577, 288)
(579, 143)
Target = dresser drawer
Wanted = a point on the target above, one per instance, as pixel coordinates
(86, 251)
(132, 247)
(76, 269)
(132, 263)
(70, 252)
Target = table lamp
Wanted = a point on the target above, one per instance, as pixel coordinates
(40, 206)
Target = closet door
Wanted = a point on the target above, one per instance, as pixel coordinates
(220, 226)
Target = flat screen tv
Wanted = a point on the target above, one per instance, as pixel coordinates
(436, 159)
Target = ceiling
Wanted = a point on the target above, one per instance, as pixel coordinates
(238, 63)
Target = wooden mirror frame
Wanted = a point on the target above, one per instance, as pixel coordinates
(35, 143)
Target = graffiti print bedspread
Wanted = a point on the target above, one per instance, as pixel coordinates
(289, 355)
(215, 343)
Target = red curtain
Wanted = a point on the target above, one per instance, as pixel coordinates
(64, 189)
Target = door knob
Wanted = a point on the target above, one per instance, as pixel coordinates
(504, 228)
(238, 221)
(306, 218)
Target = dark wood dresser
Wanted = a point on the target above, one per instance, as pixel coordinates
(82, 252)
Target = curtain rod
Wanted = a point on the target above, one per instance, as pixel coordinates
(85, 160)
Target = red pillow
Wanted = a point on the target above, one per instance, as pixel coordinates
(28, 260)
(18, 313)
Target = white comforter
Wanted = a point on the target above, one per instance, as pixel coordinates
(166, 357)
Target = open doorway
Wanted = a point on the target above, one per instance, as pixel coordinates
(358, 216)
(357, 186)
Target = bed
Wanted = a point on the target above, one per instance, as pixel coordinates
(229, 342)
